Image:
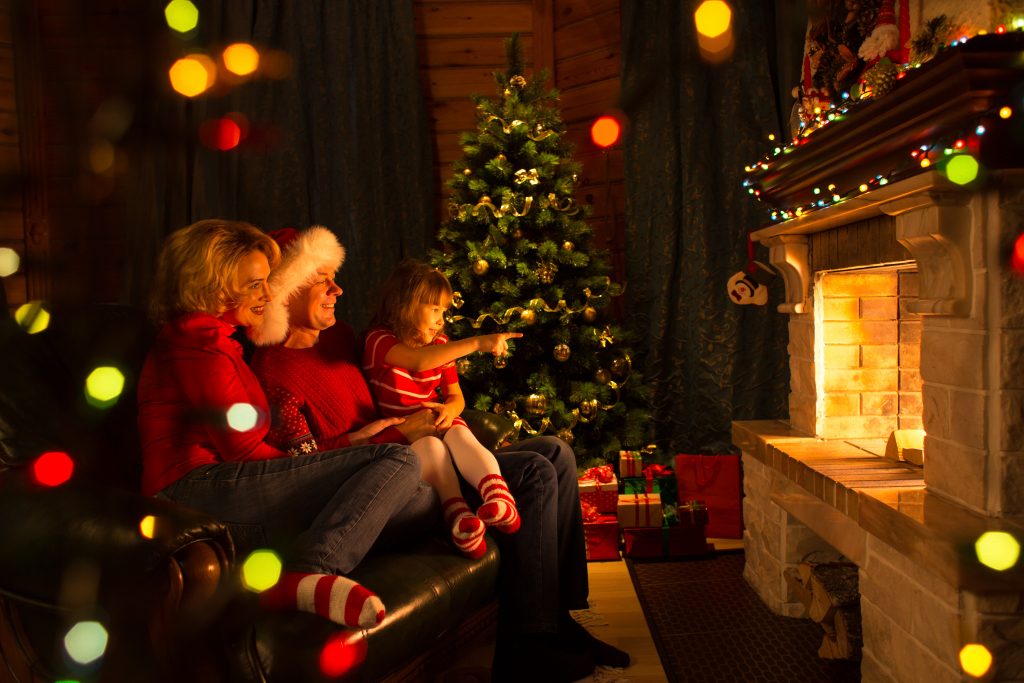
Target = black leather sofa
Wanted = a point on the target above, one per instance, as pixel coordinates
(172, 602)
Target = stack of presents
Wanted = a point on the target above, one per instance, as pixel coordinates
(654, 511)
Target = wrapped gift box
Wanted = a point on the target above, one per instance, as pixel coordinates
(640, 509)
(691, 513)
(630, 464)
(602, 495)
(602, 538)
(665, 541)
(665, 486)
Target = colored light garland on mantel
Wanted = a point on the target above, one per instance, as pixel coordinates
(936, 153)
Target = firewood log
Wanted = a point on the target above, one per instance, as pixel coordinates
(848, 631)
(833, 585)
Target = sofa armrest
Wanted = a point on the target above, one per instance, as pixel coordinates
(489, 429)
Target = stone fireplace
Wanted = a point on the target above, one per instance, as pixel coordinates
(903, 315)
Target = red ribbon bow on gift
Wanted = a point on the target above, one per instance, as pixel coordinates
(602, 474)
(590, 513)
(655, 470)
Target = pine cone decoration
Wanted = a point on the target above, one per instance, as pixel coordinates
(881, 78)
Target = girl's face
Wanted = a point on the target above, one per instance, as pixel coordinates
(313, 307)
(429, 319)
(250, 293)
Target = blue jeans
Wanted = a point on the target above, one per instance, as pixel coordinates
(323, 510)
(543, 566)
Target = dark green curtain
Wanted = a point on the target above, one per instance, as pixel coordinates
(342, 141)
(693, 128)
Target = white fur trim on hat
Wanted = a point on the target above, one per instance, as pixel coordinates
(301, 258)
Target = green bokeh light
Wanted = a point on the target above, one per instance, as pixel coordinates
(962, 169)
(997, 550)
(86, 641)
(103, 386)
(181, 15)
(261, 570)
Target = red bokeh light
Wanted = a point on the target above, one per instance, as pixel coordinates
(341, 653)
(52, 468)
(1017, 257)
(605, 131)
(221, 134)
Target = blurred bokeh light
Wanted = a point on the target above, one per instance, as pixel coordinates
(261, 570)
(243, 417)
(147, 527)
(241, 59)
(997, 550)
(975, 659)
(181, 15)
(52, 468)
(713, 18)
(342, 652)
(32, 317)
(221, 134)
(9, 261)
(962, 169)
(605, 131)
(103, 386)
(86, 641)
(193, 75)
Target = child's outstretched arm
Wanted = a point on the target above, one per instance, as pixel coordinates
(436, 355)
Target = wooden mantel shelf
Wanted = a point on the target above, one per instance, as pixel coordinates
(886, 499)
(939, 98)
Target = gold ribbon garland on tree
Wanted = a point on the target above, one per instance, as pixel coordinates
(604, 337)
(462, 211)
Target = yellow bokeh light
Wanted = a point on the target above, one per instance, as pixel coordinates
(86, 641)
(181, 15)
(104, 385)
(101, 156)
(1005, 112)
(9, 261)
(997, 550)
(962, 169)
(147, 527)
(975, 659)
(261, 570)
(241, 59)
(713, 18)
(193, 75)
(32, 317)
(242, 417)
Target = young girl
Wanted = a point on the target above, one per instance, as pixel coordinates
(409, 363)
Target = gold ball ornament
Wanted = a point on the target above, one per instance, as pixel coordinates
(568, 246)
(517, 233)
(517, 82)
(536, 404)
(500, 362)
(562, 352)
(546, 272)
(467, 171)
(528, 316)
(507, 92)
(481, 267)
(463, 366)
(589, 314)
(565, 435)
(602, 376)
(500, 157)
(588, 408)
(620, 366)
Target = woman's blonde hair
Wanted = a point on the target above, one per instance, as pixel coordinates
(197, 266)
(411, 283)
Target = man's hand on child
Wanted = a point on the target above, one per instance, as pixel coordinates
(372, 429)
(445, 414)
(497, 344)
(418, 425)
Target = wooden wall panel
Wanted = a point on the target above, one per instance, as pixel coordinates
(12, 217)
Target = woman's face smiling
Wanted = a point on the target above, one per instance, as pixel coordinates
(250, 291)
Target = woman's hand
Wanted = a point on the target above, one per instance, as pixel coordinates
(446, 412)
(361, 436)
(496, 343)
(417, 425)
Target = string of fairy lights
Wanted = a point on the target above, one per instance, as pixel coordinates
(951, 152)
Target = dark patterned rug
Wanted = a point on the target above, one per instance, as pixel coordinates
(710, 626)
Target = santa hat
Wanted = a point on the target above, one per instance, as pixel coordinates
(884, 39)
(303, 253)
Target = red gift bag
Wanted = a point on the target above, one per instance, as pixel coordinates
(714, 479)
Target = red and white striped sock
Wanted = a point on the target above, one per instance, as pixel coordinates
(499, 508)
(466, 528)
(337, 598)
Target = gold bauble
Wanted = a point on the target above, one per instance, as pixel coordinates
(562, 352)
(500, 362)
(463, 365)
(546, 272)
(568, 246)
(467, 171)
(565, 435)
(507, 92)
(601, 376)
(620, 366)
(528, 316)
(536, 404)
(481, 266)
(517, 82)
(589, 314)
(588, 408)
(500, 157)
(517, 233)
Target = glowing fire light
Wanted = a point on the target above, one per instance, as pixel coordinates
(52, 468)
(997, 550)
(605, 131)
(192, 75)
(261, 570)
(975, 659)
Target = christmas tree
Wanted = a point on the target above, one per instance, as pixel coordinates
(517, 249)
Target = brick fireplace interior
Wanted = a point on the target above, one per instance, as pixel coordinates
(903, 317)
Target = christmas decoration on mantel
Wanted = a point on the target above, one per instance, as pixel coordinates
(840, 79)
(517, 248)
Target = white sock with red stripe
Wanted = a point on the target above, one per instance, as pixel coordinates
(499, 508)
(341, 600)
(467, 529)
